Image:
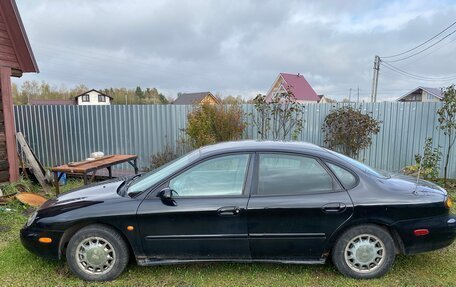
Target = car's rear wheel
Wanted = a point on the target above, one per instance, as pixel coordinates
(365, 251)
(97, 253)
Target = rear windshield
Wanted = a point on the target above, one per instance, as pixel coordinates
(361, 166)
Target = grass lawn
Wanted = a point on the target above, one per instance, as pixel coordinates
(18, 267)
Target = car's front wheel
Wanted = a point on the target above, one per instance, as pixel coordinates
(97, 253)
(365, 251)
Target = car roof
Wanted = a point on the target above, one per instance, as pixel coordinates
(252, 145)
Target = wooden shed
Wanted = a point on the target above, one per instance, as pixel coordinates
(16, 57)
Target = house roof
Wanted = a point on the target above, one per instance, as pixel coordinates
(301, 89)
(52, 102)
(298, 85)
(93, 90)
(18, 37)
(192, 98)
(436, 92)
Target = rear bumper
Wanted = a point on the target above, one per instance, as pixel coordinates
(29, 239)
(442, 233)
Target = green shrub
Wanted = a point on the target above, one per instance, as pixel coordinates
(163, 157)
(426, 165)
(209, 124)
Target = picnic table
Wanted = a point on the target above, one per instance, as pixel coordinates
(87, 167)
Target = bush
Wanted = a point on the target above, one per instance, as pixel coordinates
(349, 130)
(426, 165)
(209, 124)
(280, 118)
(163, 157)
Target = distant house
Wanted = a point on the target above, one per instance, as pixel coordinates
(93, 97)
(422, 94)
(295, 84)
(196, 99)
(325, 100)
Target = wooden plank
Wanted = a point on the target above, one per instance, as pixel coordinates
(8, 115)
(4, 165)
(78, 163)
(8, 57)
(7, 49)
(4, 35)
(4, 176)
(11, 64)
(35, 166)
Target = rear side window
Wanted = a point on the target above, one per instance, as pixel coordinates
(292, 174)
(346, 177)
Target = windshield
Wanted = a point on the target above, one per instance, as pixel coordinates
(361, 166)
(151, 178)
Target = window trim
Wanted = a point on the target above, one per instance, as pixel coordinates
(357, 180)
(256, 176)
(246, 186)
(86, 98)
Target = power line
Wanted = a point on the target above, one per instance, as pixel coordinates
(422, 44)
(417, 77)
(425, 49)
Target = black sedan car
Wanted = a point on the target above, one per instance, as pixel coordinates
(245, 202)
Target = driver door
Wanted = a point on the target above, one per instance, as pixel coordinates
(206, 218)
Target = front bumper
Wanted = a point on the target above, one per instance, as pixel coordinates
(442, 233)
(29, 239)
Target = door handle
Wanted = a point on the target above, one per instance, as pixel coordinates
(334, 207)
(229, 211)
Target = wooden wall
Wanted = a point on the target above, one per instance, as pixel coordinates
(4, 174)
(7, 55)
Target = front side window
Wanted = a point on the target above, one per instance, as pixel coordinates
(101, 98)
(219, 176)
(85, 98)
(292, 174)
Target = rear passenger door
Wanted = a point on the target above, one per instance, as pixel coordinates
(295, 206)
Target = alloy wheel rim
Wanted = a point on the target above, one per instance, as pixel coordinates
(95, 255)
(364, 253)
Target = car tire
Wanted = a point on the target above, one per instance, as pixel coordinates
(364, 252)
(97, 253)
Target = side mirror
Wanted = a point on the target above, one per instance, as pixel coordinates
(166, 194)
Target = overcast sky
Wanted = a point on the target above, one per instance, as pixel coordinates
(236, 47)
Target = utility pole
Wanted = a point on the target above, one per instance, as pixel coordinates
(357, 100)
(375, 79)
(350, 95)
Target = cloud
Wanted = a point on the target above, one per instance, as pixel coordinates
(234, 47)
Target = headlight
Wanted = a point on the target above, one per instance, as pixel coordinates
(31, 219)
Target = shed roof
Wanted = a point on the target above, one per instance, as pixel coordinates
(192, 98)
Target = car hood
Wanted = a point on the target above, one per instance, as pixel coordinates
(405, 182)
(87, 195)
